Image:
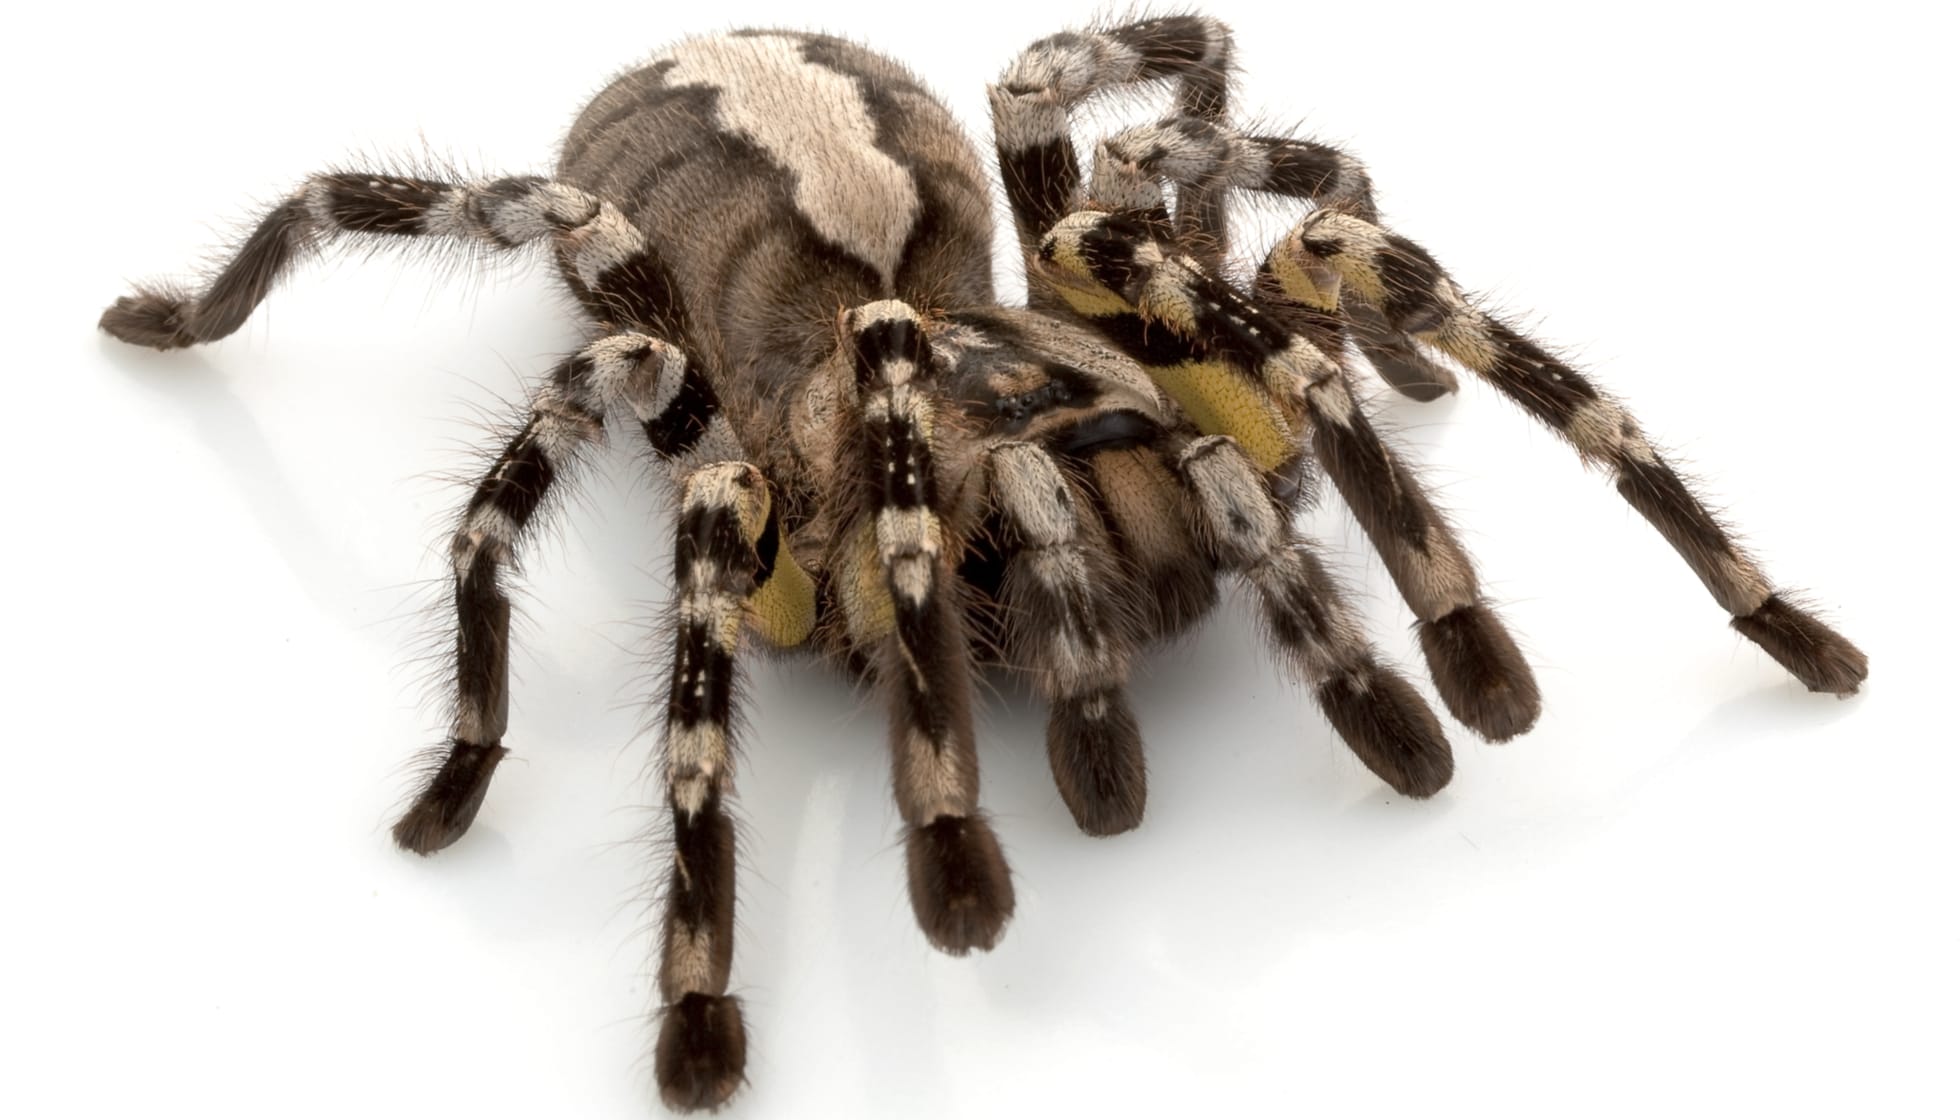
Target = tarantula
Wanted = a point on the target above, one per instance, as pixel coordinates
(782, 242)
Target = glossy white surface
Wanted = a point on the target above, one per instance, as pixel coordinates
(1693, 890)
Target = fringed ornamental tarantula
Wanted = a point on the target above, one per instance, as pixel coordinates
(783, 244)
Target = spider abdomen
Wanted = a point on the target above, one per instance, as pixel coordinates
(777, 177)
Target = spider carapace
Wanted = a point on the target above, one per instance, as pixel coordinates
(782, 243)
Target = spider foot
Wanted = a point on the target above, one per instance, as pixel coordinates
(1096, 753)
(961, 892)
(444, 809)
(1411, 372)
(1814, 653)
(701, 1052)
(1384, 720)
(1480, 674)
(152, 317)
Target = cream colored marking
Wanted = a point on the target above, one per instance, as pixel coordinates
(1595, 430)
(1465, 336)
(690, 964)
(815, 124)
(690, 791)
(473, 725)
(1032, 492)
(487, 525)
(561, 429)
(907, 530)
(1166, 299)
(449, 216)
(695, 747)
(540, 212)
(867, 602)
(1067, 70)
(865, 315)
(738, 486)
(1123, 186)
(1330, 400)
(1028, 119)
(602, 244)
(317, 195)
(1219, 475)
(934, 778)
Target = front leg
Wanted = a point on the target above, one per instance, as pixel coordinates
(901, 596)
(729, 569)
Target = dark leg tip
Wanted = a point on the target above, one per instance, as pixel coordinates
(1480, 674)
(1386, 723)
(1412, 373)
(149, 318)
(701, 1052)
(1096, 753)
(444, 809)
(961, 892)
(1814, 653)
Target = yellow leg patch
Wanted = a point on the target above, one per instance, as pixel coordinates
(784, 609)
(867, 602)
(1222, 402)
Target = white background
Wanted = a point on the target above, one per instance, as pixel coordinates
(1693, 890)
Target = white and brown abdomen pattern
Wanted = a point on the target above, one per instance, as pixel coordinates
(775, 177)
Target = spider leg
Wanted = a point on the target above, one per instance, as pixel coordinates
(566, 416)
(1035, 95)
(729, 566)
(1200, 156)
(1063, 622)
(496, 214)
(900, 595)
(1334, 259)
(1376, 712)
(1236, 369)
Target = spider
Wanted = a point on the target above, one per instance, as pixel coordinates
(781, 242)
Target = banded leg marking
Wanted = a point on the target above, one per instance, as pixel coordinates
(1032, 101)
(567, 415)
(961, 891)
(1264, 385)
(1062, 625)
(495, 214)
(725, 509)
(1199, 155)
(1375, 711)
(1412, 292)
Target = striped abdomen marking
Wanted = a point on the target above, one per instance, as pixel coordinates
(814, 123)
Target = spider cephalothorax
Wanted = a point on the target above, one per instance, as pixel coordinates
(782, 243)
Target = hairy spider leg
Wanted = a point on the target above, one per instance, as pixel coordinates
(908, 614)
(729, 561)
(1035, 95)
(1238, 370)
(1063, 621)
(1401, 280)
(1194, 154)
(1374, 710)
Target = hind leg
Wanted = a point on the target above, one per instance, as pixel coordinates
(497, 214)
